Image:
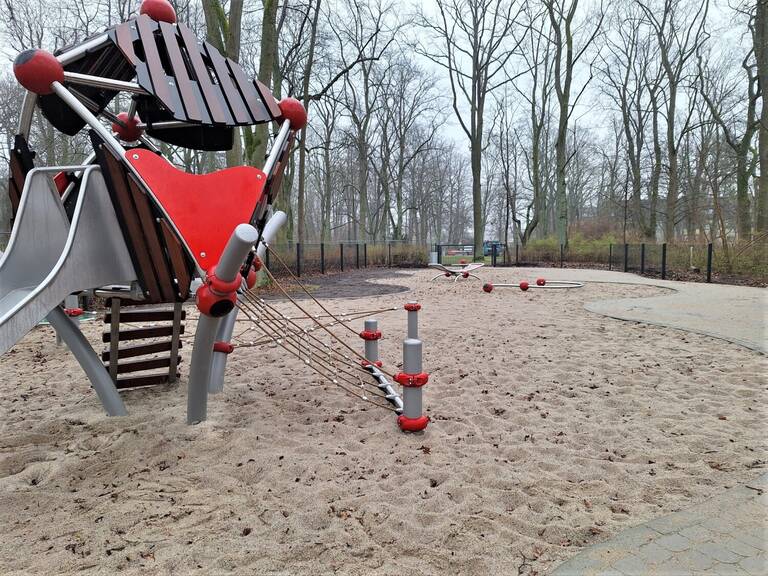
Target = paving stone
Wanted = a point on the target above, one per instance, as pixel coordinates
(670, 524)
(755, 565)
(673, 567)
(759, 541)
(631, 566)
(654, 553)
(719, 552)
(739, 547)
(674, 542)
(696, 560)
(697, 533)
(636, 536)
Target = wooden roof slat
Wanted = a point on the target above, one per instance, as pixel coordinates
(183, 82)
(218, 109)
(230, 92)
(248, 91)
(267, 98)
(160, 85)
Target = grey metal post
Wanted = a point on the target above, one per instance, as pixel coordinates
(371, 346)
(412, 403)
(89, 360)
(413, 308)
(228, 268)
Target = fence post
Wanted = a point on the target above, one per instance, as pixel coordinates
(493, 255)
(561, 255)
(389, 254)
(298, 258)
(709, 262)
(626, 257)
(365, 255)
(664, 261)
(610, 256)
(439, 254)
(341, 255)
(642, 258)
(322, 257)
(517, 253)
(357, 255)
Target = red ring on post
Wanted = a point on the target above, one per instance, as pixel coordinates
(370, 335)
(412, 380)
(365, 363)
(72, 312)
(225, 347)
(219, 286)
(412, 424)
(257, 263)
(412, 306)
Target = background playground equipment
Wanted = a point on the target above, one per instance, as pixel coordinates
(463, 271)
(117, 223)
(540, 283)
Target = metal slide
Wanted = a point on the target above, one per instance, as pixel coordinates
(49, 258)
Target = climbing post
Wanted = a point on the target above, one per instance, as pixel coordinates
(371, 336)
(412, 378)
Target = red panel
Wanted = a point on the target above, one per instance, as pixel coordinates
(204, 208)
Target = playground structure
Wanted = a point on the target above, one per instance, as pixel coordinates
(132, 228)
(456, 272)
(541, 283)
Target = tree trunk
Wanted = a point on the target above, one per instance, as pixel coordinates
(761, 56)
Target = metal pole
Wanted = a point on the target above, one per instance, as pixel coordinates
(228, 268)
(357, 255)
(389, 255)
(561, 255)
(517, 254)
(322, 258)
(90, 362)
(412, 378)
(365, 255)
(626, 255)
(439, 254)
(709, 262)
(493, 255)
(371, 326)
(298, 258)
(610, 256)
(664, 261)
(341, 257)
(642, 258)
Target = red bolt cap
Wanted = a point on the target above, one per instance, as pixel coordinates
(540, 282)
(523, 285)
(158, 10)
(36, 70)
(293, 110)
(130, 130)
(488, 287)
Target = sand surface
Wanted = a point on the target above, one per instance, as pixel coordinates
(552, 428)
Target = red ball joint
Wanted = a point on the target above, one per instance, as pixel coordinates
(158, 10)
(488, 287)
(293, 111)
(447, 274)
(465, 274)
(216, 297)
(540, 282)
(36, 70)
(462, 261)
(523, 285)
(129, 130)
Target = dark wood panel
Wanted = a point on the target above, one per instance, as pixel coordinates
(126, 212)
(138, 381)
(179, 262)
(230, 92)
(140, 350)
(267, 98)
(161, 87)
(183, 82)
(147, 223)
(141, 333)
(14, 195)
(218, 109)
(124, 40)
(142, 365)
(144, 316)
(248, 91)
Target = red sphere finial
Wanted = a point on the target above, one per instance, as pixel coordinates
(488, 287)
(540, 281)
(130, 130)
(523, 285)
(158, 10)
(293, 111)
(36, 70)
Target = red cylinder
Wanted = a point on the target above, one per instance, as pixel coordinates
(412, 424)
(215, 305)
(36, 70)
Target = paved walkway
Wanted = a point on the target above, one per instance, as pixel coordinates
(727, 535)
(733, 313)
(724, 536)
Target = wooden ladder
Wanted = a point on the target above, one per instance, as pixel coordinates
(152, 347)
